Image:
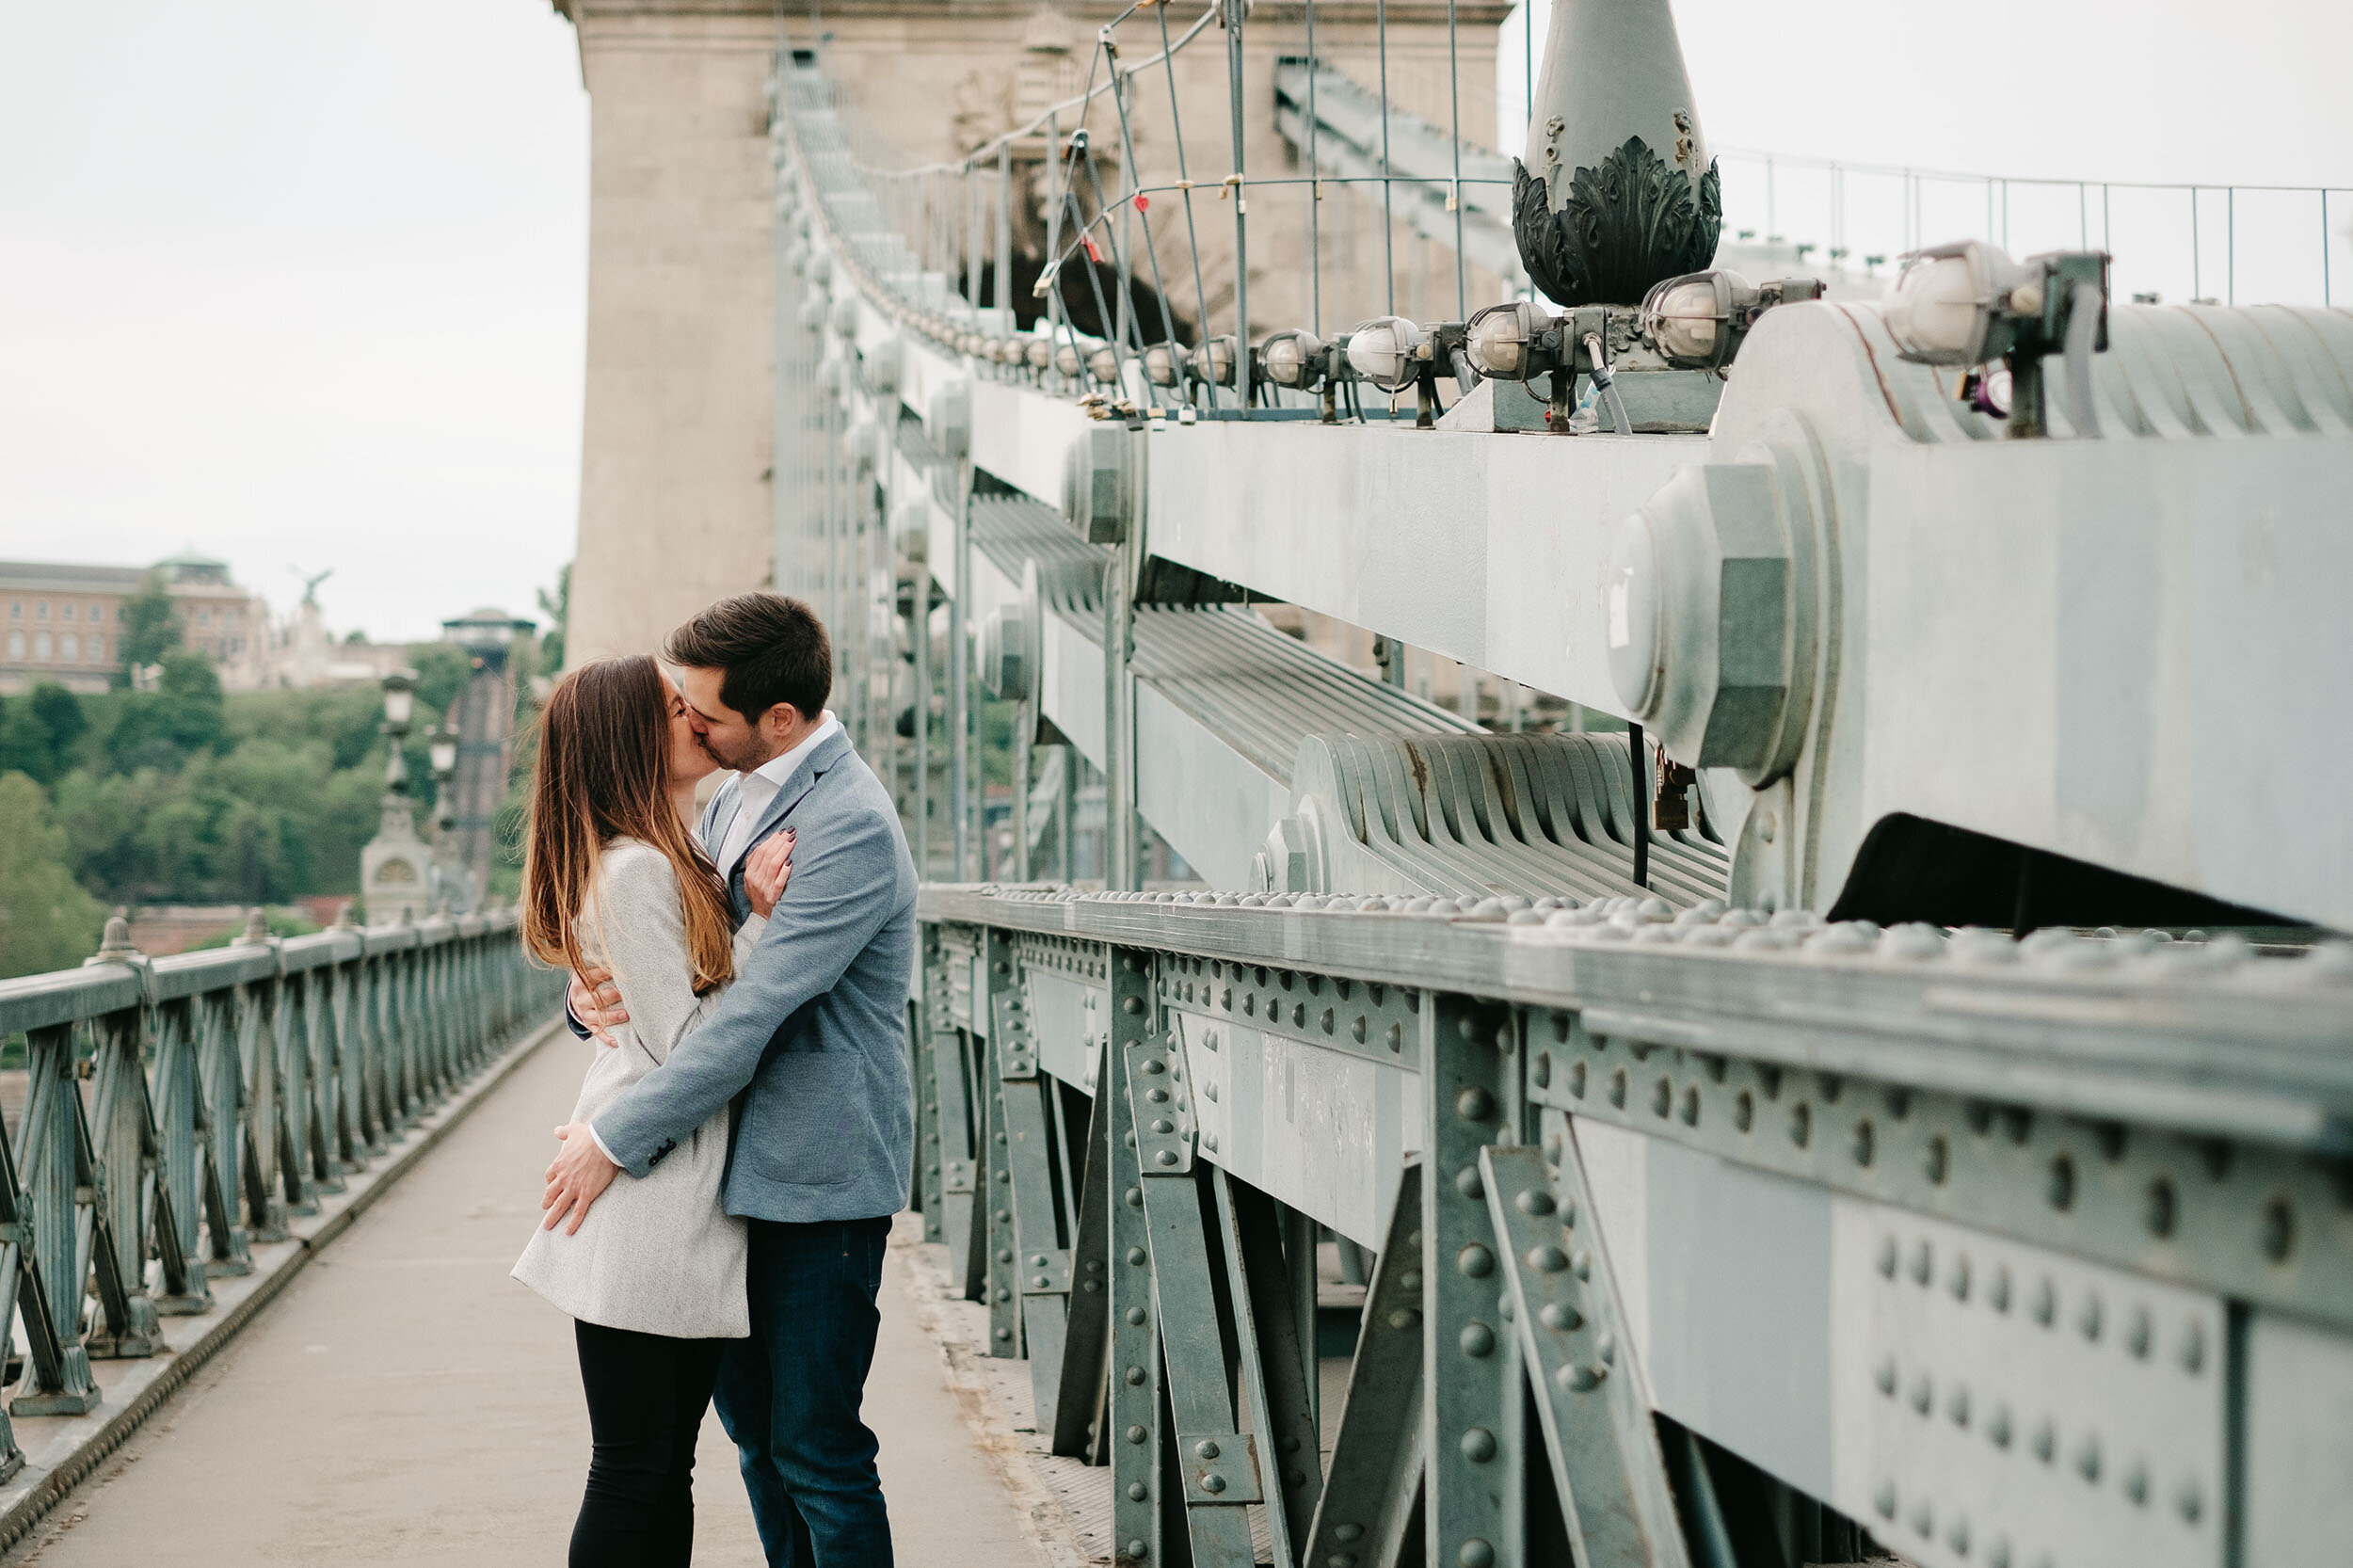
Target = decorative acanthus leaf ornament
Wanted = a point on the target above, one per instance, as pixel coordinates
(1622, 228)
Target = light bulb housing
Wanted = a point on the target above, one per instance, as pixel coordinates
(1164, 363)
(1294, 359)
(1039, 352)
(1067, 364)
(1388, 351)
(1951, 304)
(1103, 364)
(1212, 362)
(1516, 341)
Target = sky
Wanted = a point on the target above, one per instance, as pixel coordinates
(295, 284)
(300, 284)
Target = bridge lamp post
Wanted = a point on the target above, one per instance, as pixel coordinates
(392, 866)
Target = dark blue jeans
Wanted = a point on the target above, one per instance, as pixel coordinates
(789, 1394)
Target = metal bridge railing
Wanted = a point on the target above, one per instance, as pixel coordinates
(1954, 1237)
(178, 1110)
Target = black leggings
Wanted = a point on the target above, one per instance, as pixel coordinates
(647, 1394)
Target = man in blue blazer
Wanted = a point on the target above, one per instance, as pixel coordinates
(810, 1043)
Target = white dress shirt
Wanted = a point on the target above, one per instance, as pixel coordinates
(757, 789)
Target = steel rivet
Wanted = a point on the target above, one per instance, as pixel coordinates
(1662, 1097)
(2088, 1460)
(1137, 1491)
(1205, 1449)
(1005, 1255)
(1561, 1317)
(1476, 1554)
(1136, 1317)
(1801, 1124)
(1166, 1156)
(2045, 1442)
(1582, 1262)
(1884, 1500)
(1004, 1333)
(2137, 1334)
(1885, 1377)
(1923, 1394)
(1474, 1104)
(1163, 1125)
(1476, 1339)
(1999, 1292)
(1547, 1258)
(1959, 1280)
(1534, 1201)
(2137, 1483)
(2193, 1350)
(1135, 1376)
(2045, 1303)
(1403, 1318)
(1617, 1088)
(2189, 1503)
(1887, 1257)
(1037, 1282)
(1958, 1536)
(1479, 1445)
(1475, 1261)
(1468, 1182)
(1137, 1435)
(1997, 1426)
(1923, 1263)
(1003, 1293)
(2089, 1320)
(1957, 1406)
(1136, 1255)
(1136, 1549)
(1345, 1533)
(1577, 1079)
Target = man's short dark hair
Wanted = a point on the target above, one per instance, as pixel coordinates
(771, 647)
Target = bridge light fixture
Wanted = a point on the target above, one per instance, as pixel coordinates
(846, 317)
(400, 700)
(1213, 363)
(1103, 364)
(440, 745)
(1698, 321)
(1294, 358)
(1952, 304)
(1163, 363)
(1039, 352)
(1067, 362)
(1966, 303)
(1514, 341)
(1387, 351)
(820, 267)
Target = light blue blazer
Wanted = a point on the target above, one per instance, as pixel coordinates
(813, 1034)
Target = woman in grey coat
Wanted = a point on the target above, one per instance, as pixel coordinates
(654, 1274)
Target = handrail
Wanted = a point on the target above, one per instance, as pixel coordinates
(180, 1108)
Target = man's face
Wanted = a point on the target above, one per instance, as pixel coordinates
(732, 740)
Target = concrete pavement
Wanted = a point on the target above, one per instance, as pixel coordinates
(404, 1402)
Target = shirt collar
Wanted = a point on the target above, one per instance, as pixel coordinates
(772, 773)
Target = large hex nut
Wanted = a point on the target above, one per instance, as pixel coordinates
(1702, 619)
(1102, 483)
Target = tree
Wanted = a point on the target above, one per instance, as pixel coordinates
(442, 671)
(186, 715)
(37, 732)
(557, 607)
(151, 627)
(46, 921)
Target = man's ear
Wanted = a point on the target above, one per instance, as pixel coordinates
(780, 720)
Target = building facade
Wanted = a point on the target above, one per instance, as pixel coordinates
(62, 622)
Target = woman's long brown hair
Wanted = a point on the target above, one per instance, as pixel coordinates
(604, 773)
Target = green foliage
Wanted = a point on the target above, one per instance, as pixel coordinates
(266, 822)
(39, 731)
(442, 671)
(151, 627)
(46, 921)
(557, 607)
(185, 714)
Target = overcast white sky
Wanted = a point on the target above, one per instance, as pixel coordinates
(300, 283)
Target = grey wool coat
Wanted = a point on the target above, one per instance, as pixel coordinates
(812, 1035)
(657, 1255)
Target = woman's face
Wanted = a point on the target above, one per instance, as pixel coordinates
(689, 761)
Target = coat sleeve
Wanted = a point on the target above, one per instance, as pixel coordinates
(642, 927)
(838, 899)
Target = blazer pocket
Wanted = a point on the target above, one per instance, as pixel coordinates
(800, 1125)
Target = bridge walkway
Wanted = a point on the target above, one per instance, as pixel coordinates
(404, 1402)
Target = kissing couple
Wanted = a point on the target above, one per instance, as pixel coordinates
(718, 1208)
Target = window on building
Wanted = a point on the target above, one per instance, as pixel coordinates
(204, 617)
(40, 611)
(69, 649)
(40, 648)
(16, 645)
(97, 649)
(16, 609)
(66, 612)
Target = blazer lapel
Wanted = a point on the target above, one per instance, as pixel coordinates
(798, 784)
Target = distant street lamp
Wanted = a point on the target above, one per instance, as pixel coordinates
(442, 745)
(392, 867)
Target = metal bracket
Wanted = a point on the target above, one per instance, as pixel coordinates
(1596, 1422)
(1163, 1108)
(1220, 1466)
(1045, 1273)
